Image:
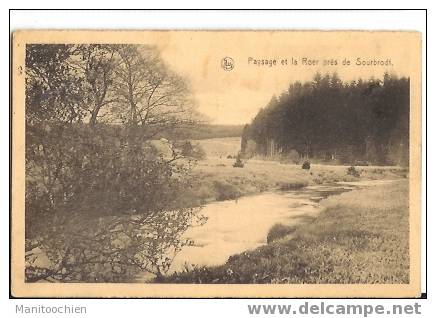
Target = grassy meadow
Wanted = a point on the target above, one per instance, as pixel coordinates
(216, 179)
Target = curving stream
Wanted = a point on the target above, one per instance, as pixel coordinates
(239, 225)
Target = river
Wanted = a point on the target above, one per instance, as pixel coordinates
(236, 226)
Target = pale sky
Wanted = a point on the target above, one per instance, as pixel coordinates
(235, 97)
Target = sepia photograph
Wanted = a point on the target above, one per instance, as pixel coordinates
(216, 164)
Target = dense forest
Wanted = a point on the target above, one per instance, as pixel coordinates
(328, 120)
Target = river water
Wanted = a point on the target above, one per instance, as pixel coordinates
(236, 226)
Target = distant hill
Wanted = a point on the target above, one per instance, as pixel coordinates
(220, 147)
(203, 131)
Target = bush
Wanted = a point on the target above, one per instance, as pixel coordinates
(194, 151)
(238, 163)
(306, 165)
(97, 172)
(279, 231)
(352, 171)
(95, 197)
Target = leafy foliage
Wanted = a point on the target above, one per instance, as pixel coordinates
(102, 204)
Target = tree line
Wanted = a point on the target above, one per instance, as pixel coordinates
(102, 204)
(329, 120)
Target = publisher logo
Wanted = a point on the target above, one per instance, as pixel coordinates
(227, 63)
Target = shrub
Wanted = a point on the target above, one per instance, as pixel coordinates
(306, 165)
(190, 150)
(238, 163)
(95, 197)
(352, 171)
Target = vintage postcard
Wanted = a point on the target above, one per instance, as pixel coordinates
(216, 164)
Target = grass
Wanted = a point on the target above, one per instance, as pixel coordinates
(360, 237)
(217, 180)
(279, 231)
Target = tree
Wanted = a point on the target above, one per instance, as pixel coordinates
(152, 96)
(97, 62)
(101, 202)
(54, 88)
(328, 119)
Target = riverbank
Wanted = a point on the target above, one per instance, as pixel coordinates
(360, 237)
(216, 179)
